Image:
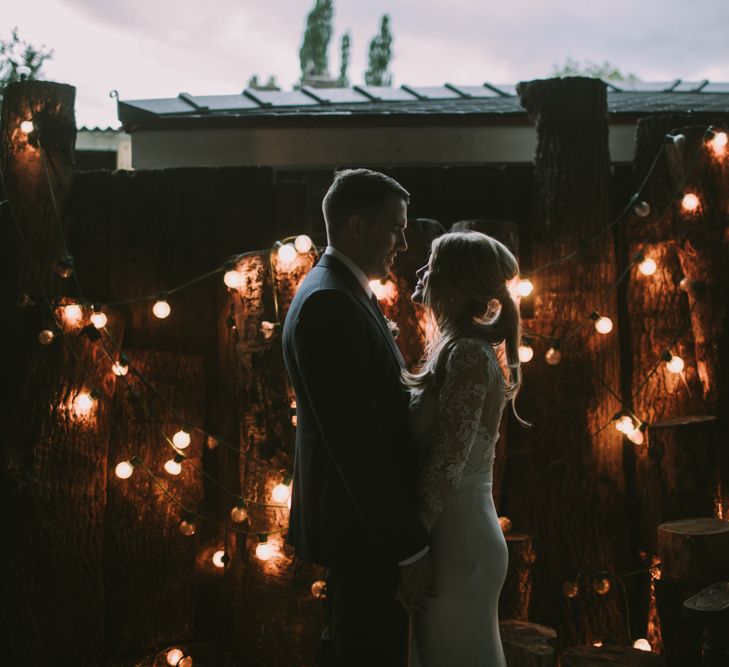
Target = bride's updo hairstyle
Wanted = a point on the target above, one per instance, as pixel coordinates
(479, 267)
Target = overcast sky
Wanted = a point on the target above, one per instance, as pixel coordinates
(158, 48)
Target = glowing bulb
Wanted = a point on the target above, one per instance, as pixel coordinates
(601, 586)
(174, 656)
(124, 470)
(642, 645)
(597, 644)
(233, 279)
(719, 143)
(99, 320)
(526, 352)
(181, 439)
(319, 589)
(219, 558)
(119, 368)
(505, 523)
(303, 244)
(675, 365)
(161, 309)
(642, 209)
(648, 266)
(46, 337)
(281, 493)
(525, 287)
(690, 202)
(553, 356)
(624, 424)
(82, 404)
(173, 467)
(286, 253)
(264, 551)
(185, 662)
(570, 589)
(27, 126)
(636, 436)
(678, 140)
(604, 325)
(72, 314)
(238, 514)
(187, 528)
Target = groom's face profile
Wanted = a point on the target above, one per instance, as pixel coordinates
(381, 236)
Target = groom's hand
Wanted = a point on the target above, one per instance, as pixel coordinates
(416, 581)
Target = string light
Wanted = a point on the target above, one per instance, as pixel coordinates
(601, 586)
(239, 513)
(233, 279)
(319, 589)
(121, 367)
(570, 589)
(264, 549)
(83, 404)
(603, 324)
(636, 436)
(505, 523)
(187, 527)
(99, 319)
(553, 356)
(26, 127)
(642, 209)
(524, 287)
(161, 308)
(46, 337)
(648, 266)
(717, 141)
(72, 314)
(181, 439)
(220, 558)
(174, 656)
(624, 424)
(303, 244)
(268, 329)
(286, 253)
(526, 351)
(185, 662)
(642, 645)
(690, 202)
(678, 140)
(282, 491)
(674, 363)
(174, 465)
(124, 470)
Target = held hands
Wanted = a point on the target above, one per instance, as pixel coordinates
(416, 581)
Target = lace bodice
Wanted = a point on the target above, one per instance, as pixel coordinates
(456, 425)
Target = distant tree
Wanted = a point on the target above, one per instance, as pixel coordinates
(317, 35)
(343, 80)
(605, 70)
(20, 60)
(380, 56)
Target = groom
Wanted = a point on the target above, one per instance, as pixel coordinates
(353, 507)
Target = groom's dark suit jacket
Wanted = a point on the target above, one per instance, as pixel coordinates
(354, 469)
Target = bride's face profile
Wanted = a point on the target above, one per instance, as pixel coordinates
(422, 274)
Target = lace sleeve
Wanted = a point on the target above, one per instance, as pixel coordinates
(460, 404)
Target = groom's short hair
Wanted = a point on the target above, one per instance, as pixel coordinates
(358, 192)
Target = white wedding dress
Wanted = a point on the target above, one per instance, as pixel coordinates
(456, 427)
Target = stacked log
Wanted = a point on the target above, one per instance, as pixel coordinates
(527, 644)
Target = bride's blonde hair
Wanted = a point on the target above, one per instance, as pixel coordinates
(480, 267)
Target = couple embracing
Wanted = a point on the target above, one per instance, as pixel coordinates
(393, 470)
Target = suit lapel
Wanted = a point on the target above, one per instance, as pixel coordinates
(333, 264)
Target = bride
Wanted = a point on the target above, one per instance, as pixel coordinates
(457, 400)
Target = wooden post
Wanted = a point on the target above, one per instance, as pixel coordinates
(527, 644)
(516, 592)
(710, 609)
(574, 502)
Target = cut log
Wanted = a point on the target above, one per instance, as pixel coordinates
(527, 644)
(709, 609)
(517, 590)
(609, 656)
(694, 550)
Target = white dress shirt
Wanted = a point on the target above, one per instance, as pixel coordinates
(362, 280)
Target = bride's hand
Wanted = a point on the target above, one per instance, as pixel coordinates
(416, 581)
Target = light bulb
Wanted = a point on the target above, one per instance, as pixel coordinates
(719, 143)
(675, 365)
(690, 202)
(526, 352)
(99, 320)
(286, 253)
(570, 589)
(219, 558)
(46, 337)
(604, 325)
(119, 368)
(181, 439)
(281, 493)
(173, 467)
(174, 655)
(268, 329)
(624, 424)
(82, 404)
(642, 645)
(238, 514)
(161, 309)
(319, 589)
(303, 244)
(233, 279)
(524, 287)
(27, 126)
(648, 266)
(187, 528)
(636, 436)
(597, 644)
(642, 209)
(601, 586)
(505, 523)
(72, 314)
(185, 662)
(678, 140)
(264, 551)
(124, 470)
(553, 356)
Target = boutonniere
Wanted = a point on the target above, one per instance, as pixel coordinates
(392, 326)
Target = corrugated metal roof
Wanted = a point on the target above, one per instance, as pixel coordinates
(407, 101)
